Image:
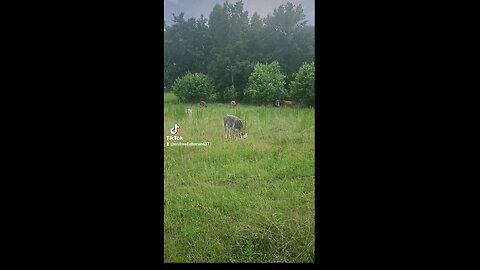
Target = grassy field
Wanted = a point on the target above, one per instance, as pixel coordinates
(239, 200)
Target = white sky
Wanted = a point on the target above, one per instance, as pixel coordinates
(193, 8)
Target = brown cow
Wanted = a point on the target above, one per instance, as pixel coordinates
(233, 104)
(285, 103)
(203, 104)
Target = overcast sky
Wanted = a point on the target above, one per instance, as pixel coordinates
(193, 8)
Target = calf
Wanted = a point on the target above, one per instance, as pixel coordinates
(233, 123)
(233, 104)
(285, 103)
(203, 104)
(189, 112)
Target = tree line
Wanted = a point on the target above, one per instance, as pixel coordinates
(234, 56)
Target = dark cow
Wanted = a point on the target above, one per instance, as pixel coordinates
(203, 104)
(233, 124)
(233, 104)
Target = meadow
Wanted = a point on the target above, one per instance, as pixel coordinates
(249, 200)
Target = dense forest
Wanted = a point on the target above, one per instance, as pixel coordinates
(229, 52)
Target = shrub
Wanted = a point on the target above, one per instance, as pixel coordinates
(193, 87)
(302, 87)
(231, 93)
(266, 84)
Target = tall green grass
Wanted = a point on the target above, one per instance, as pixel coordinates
(239, 200)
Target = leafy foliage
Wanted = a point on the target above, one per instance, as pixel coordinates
(229, 43)
(193, 87)
(266, 84)
(229, 65)
(187, 47)
(231, 93)
(302, 87)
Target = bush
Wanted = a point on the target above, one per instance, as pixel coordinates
(266, 84)
(230, 94)
(302, 87)
(193, 87)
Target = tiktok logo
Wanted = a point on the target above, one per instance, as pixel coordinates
(175, 129)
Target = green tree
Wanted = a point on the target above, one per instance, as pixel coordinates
(193, 87)
(302, 87)
(218, 25)
(256, 40)
(187, 47)
(286, 18)
(202, 43)
(231, 93)
(266, 84)
(226, 46)
(229, 64)
(288, 39)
